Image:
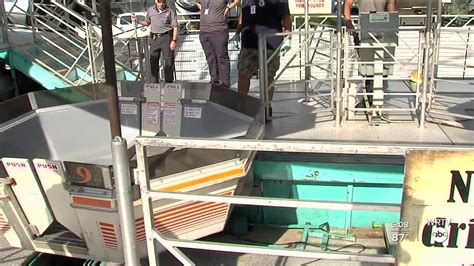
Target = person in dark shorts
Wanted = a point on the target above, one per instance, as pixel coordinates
(214, 37)
(260, 17)
(164, 35)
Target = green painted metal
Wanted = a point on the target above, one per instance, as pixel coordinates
(35, 260)
(46, 78)
(130, 75)
(304, 236)
(345, 182)
(325, 242)
(36, 72)
(4, 55)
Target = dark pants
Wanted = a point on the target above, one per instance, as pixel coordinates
(159, 45)
(214, 45)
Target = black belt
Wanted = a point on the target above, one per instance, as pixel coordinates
(154, 35)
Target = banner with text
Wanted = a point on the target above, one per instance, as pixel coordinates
(315, 6)
(438, 207)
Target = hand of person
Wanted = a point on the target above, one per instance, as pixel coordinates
(236, 40)
(227, 12)
(351, 30)
(285, 47)
(349, 25)
(173, 45)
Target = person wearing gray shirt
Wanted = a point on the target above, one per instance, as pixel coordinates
(164, 35)
(214, 37)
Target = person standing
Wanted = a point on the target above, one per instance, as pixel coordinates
(214, 37)
(366, 6)
(164, 35)
(261, 17)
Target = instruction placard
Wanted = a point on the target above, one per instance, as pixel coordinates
(380, 17)
(169, 113)
(129, 109)
(153, 113)
(192, 112)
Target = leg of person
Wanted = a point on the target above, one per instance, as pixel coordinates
(369, 88)
(209, 51)
(247, 67)
(219, 42)
(168, 56)
(155, 52)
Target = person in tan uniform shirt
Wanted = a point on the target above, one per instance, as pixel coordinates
(366, 6)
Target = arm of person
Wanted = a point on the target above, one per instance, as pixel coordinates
(391, 5)
(230, 6)
(236, 39)
(198, 4)
(144, 22)
(347, 9)
(286, 28)
(233, 4)
(174, 25)
(141, 22)
(286, 22)
(239, 25)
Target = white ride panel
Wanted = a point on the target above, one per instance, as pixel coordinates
(51, 176)
(29, 194)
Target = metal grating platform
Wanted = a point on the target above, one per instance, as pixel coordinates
(313, 120)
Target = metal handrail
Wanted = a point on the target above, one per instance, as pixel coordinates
(56, 18)
(33, 57)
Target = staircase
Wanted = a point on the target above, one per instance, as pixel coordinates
(66, 49)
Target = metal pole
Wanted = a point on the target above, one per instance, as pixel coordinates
(147, 205)
(338, 65)
(4, 23)
(146, 60)
(109, 65)
(34, 27)
(90, 52)
(435, 57)
(426, 64)
(307, 69)
(125, 201)
(94, 7)
(141, 63)
(262, 78)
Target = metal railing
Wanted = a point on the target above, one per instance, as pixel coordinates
(66, 43)
(312, 51)
(172, 245)
(401, 70)
(448, 58)
(148, 195)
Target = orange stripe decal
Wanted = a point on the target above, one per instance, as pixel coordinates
(106, 224)
(215, 216)
(202, 180)
(108, 234)
(91, 202)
